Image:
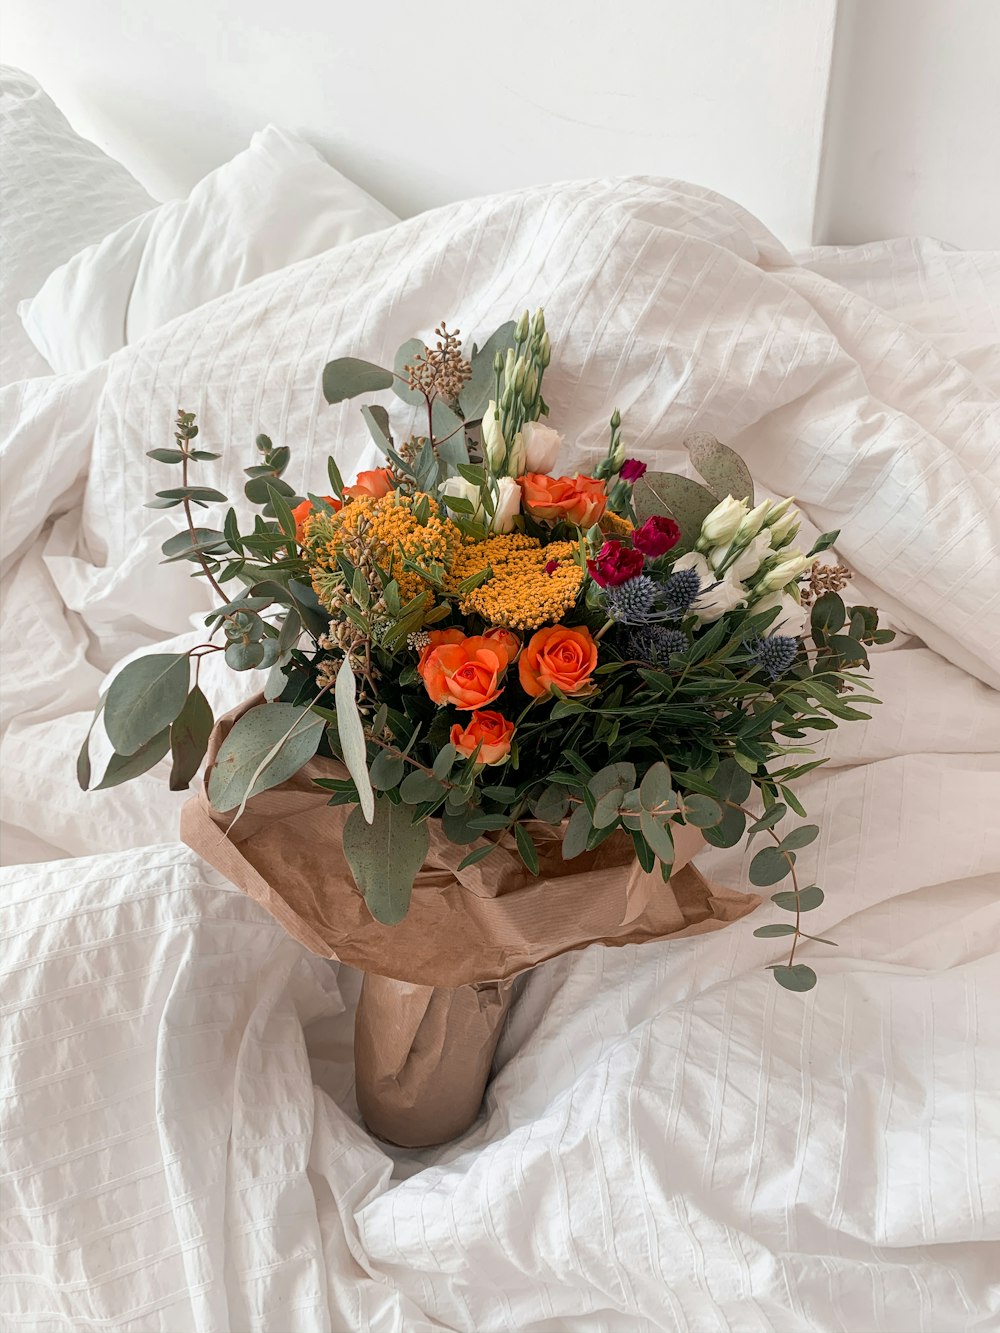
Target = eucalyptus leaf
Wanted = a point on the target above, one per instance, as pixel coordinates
(348, 376)
(701, 811)
(418, 787)
(656, 788)
(577, 832)
(352, 737)
(478, 390)
(550, 806)
(658, 836)
(721, 467)
(144, 698)
(806, 900)
(83, 769)
(685, 501)
(123, 767)
(267, 746)
(614, 777)
(407, 356)
(799, 837)
(385, 855)
(189, 734)
(797, 978)
(769, 866)
(376, 418)
(773, 932)
(386, 771)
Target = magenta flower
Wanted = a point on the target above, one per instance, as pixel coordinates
(632, 470)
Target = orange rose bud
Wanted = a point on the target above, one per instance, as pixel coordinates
(579, 500)
(490, 731)
(558, 656)
(301, 512)
(506, 638)
(467, 674)
(376, 483)
(435, 639)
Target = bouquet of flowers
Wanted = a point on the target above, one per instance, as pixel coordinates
(482, 642)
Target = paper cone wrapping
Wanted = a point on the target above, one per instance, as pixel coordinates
(485, 923)
(422, 1056)
(438, 984)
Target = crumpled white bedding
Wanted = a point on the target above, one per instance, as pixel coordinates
(671, 1142)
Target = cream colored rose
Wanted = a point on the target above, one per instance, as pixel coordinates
(541, 447)
(508, 505)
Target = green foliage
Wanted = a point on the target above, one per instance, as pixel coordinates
(721, 467)
(189, 734)
(145, 696)
(352, 737)
(385, 854)
(267, 746)
(679, 498)
(348, 376)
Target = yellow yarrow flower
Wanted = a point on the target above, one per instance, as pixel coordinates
(384, 531)
(614, 525)
(519, 595)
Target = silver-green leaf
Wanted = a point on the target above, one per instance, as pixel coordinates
(267, 746)
(685, 501)
(348, 376)
(352, 737)
(385, 855)
(143, 698)
(723, 469)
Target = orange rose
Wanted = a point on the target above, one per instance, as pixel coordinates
(301, 512)
(490, 731)
(467, 674)
(437, 637)
(375, 483)
(506, 638)
(579, 500)
(559, 657)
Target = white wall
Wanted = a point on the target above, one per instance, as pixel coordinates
(426, 104)
(463, 97)
(913, 126)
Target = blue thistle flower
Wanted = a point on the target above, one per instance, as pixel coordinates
(775, 653)
(630, 602)
(680, 590)
(655, 643)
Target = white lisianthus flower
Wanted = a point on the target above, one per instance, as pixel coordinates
(463, 490)
(508, 505)
(792, 617)
(789, 569)
(515, 457)
(720, 526)
(753, 522)
(748, 561)
(494, 444)
(541, 447)
(785, 530)
(719, 593)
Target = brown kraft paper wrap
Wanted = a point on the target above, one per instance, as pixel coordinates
(430, 1013)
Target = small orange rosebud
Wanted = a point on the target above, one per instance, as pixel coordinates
(560, 656)
(302, 511)
(507, 639)
(376, 483)
(491, 732)
(468, 673)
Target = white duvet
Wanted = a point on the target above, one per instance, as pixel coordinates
(671, 1142)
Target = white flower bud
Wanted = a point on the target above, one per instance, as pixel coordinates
(785, 530)
(753, 522)
(721, 524)
(494, 444)
(521, 328)
(508, 505)
(515, 457)
(749, 560)
(784, 573)
(541, 446)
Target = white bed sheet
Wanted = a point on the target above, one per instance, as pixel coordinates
(671, 1141)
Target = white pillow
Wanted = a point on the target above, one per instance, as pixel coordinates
(59, 192)
(277, 202)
